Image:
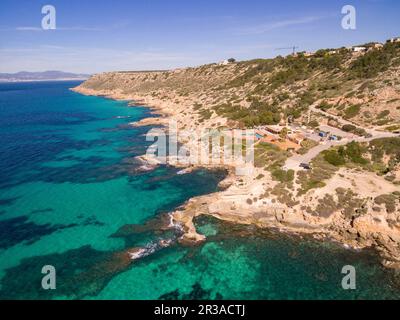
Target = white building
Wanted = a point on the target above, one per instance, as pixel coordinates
(377, 45)
(359, 49)
(394, 40)
(226, 62)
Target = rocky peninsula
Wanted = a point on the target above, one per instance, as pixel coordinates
(339, 181)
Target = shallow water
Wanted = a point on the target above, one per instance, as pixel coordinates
(69, 193)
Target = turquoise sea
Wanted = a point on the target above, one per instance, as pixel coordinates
(72, 196)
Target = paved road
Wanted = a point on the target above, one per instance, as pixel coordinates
(337, 132)
(295, 161)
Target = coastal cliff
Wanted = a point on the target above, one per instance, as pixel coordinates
(350, 192)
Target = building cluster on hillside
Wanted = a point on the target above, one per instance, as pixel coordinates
(290, 138)
(393, 40)
(366, 48)
(273, 134)
(357, 49)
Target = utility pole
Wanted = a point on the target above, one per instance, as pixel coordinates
(293, 48)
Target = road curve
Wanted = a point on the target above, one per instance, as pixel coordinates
(295, 161)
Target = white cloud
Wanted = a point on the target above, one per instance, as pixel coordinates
(77, 28)
(28, 29)
(117, 25)
(263, 28)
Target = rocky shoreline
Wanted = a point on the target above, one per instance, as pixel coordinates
(243, 199)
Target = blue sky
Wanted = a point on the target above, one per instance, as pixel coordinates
(96, 36)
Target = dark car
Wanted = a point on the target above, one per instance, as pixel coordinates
(305, 166)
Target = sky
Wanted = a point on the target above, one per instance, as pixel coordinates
(94, 36)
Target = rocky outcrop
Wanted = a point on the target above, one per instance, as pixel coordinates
(187, 95)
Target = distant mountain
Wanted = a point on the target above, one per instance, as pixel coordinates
(41, 76)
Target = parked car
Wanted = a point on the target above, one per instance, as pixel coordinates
(323, 134)
(333, 138)
(305, 166)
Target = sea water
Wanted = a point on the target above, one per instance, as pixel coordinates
(72, 196)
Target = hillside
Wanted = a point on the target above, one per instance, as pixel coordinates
(327, 154)
(41, 76)
(361, 87)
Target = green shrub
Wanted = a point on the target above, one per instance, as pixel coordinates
(354, 152)
(353, 129)
(259, 113)
(374, 62)
(312, 179)
(389, 200)
(334, 158)
(352, 111)
(349, 128)
(383, 114)
(324, 106)
(348, 201)
(282, 175)
(389, 146)
(205, 114)
(313, 124)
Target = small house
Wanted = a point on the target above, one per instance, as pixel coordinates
(359, 49)
(296, 137)
(227, 61)
(377, 45)
(374, 46)
(394, 40)
(275, 129)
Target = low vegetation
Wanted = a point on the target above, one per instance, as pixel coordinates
(259, 113)
(374, 62)
(306, 145)
(353, 129)
(352, 152)
(269, 156)
(314, 178)
(283, 176)
(381, 156)
(347, 203)
(389, 200)
(352, 111)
